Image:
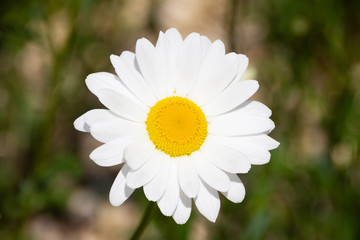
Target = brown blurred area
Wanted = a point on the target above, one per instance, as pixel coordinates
(305, 56)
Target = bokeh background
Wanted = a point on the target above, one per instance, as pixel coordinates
(305, 54)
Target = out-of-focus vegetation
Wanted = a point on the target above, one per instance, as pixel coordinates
(305, 54)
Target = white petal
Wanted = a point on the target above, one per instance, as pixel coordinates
(163, 58)
(256, 154)
(100, 115)
(243, 64)
(174, 37)
(225, 157)
(188, 178)
(205, 44)
(188, 64)
(146, 172)
(119, 191)
(208, 202)
(111, 153)
(237, 125)
(132, 79)
(150, 67)
(105, 126)
(231, 97)
(109, 131)
(215, 51)
(168, 47)
(138, 153)
(262, 140)
(122, 105)
(252, 108)
(80, 124)
(170, 199)
(214, 56)
(103, 80)
(223, 73)
(183, 209)
(129, 57)
(236, 192)
(216, 72)
(210, 174)
(155, 189)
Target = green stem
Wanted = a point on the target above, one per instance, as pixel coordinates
(144, 221)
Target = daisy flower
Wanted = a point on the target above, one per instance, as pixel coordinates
(179, 119)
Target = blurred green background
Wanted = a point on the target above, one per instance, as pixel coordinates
(305, 54)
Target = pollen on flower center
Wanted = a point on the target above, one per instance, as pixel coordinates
(176, 126)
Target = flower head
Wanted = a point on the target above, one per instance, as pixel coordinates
(180, 120)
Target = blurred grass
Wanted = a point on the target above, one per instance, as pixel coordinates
(305, 55)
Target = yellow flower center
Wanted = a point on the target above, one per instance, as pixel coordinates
(176, 126)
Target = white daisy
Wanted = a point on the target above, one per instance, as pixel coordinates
(180, 120)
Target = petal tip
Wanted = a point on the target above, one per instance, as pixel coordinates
(114, 58)
(114, 202)
(276, 144)
(80, 125)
